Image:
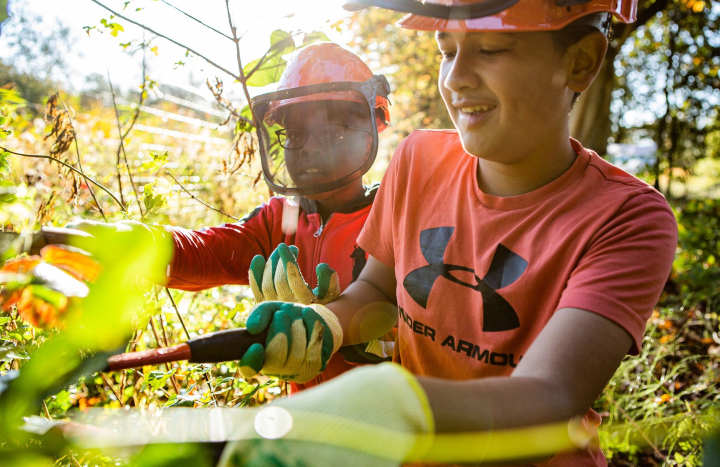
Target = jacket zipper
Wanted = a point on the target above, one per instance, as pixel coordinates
(318, 245)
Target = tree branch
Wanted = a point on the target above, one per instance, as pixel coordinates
(121, 147)
(77, 150)
(197, 199)
(166, 38)
(242, 78)
(39, 156)
(123, 135)
(197, 20)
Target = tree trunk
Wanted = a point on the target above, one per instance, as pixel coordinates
(590, 118)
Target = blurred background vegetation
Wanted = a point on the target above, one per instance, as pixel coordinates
(183, 154)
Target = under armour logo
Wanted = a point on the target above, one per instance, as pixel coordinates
(506, 267)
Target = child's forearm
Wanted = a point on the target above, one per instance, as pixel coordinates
(364, 313)
(496, 403)
(559, 377)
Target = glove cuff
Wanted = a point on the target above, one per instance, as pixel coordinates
(332, 323)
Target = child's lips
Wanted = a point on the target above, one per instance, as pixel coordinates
(472, 115)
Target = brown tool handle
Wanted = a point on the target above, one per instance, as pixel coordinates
(221, 346)
(149, 357)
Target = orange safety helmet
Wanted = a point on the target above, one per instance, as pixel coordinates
(321, 63)
(320, 73)
(502, 15)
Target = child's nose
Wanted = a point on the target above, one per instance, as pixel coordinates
(311, 148)
(462, 74)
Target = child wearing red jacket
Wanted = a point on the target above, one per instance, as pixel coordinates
(321, 143)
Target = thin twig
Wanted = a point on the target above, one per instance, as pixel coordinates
(162, 326)
(231, 391)
(167, 365)
(112, 388)
(187, 334)
(197, 199)
(46, 411)
(40, 156)
(197, 20)
(242, 78)
(166, 38)
(642, 433)
(77, 150)
(121, 148)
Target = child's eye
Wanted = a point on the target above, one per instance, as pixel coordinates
(491, 51)
(447, 55)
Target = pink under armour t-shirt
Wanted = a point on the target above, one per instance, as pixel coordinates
(479, 276)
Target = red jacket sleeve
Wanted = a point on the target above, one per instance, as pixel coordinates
(215, 256)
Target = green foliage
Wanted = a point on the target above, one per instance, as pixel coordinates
(157, 379)
(666, 80)
(661, 404)
(712, 451)
(156, 162)
(268, 68)
(114, 28)
(155, 196)
(410, 59)
(3, 10)
(697, 266)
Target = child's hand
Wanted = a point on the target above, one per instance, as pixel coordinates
(280, 279)
(300, 341)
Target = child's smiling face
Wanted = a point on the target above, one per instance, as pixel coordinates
(507, 93)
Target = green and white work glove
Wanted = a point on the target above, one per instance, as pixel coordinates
(300, 340)
(279, 278)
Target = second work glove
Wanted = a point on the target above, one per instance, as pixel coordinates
(279, 278)
(300, 341)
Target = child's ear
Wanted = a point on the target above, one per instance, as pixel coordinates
(586, 57)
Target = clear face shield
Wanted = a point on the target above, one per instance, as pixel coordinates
(318, 138)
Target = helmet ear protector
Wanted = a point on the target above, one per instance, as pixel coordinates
(275, 140)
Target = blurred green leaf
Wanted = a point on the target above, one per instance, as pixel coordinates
(157, 379)
(9, 351)
(173, 455)
(3, 10)
(156, 162)
(115, 28)
(155, 195)
(268, 68)
(317, 36)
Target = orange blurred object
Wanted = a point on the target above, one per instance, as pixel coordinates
(73, 261)
(42, 287)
